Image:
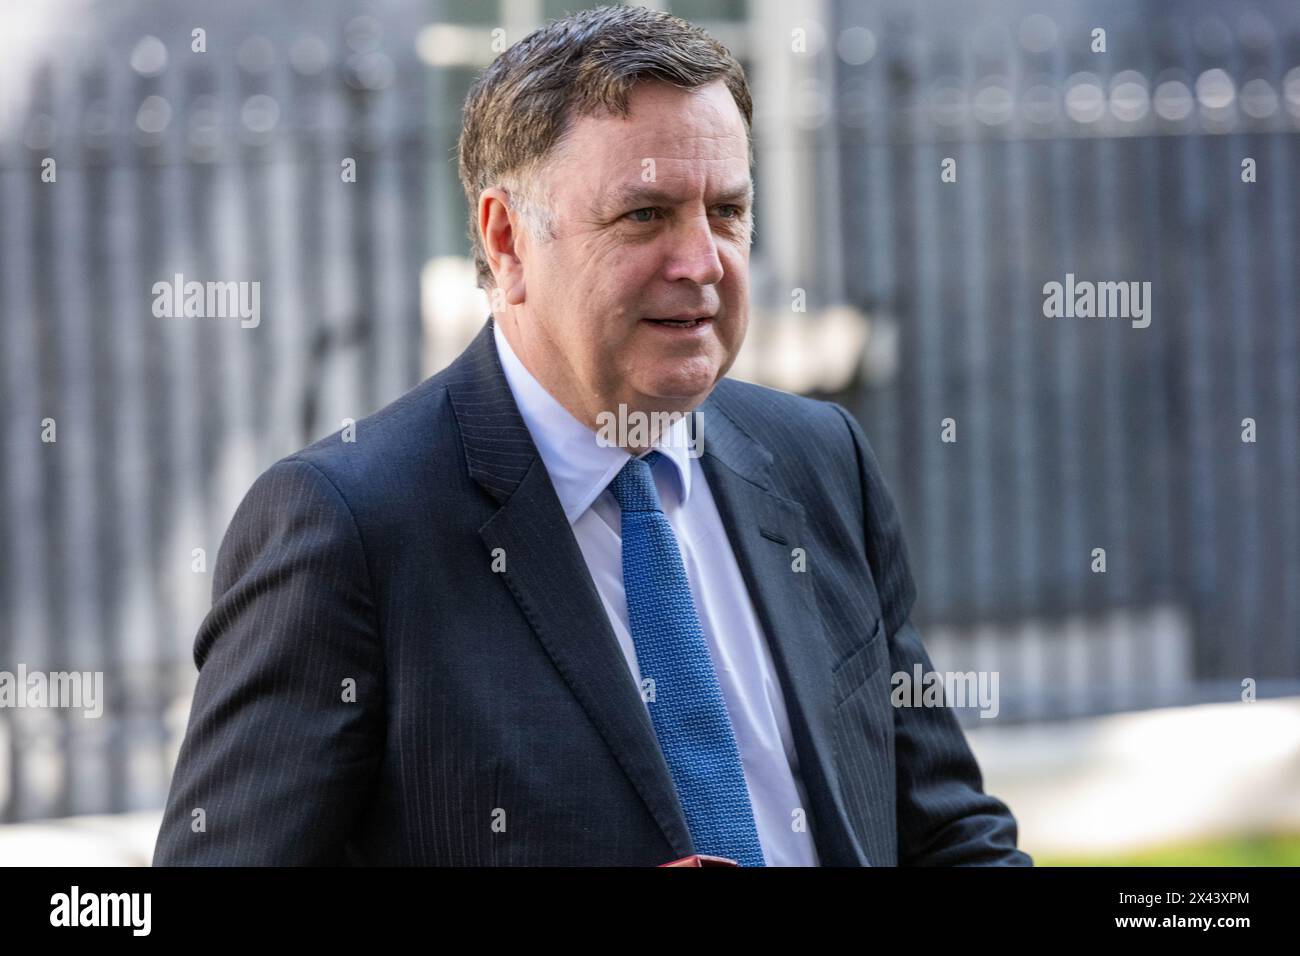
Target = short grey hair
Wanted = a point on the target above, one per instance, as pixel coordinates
(521, 107)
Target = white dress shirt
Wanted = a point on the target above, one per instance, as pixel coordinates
(581, 469)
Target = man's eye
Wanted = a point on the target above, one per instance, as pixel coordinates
(647, 214)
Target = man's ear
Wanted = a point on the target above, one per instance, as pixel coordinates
(503, 240)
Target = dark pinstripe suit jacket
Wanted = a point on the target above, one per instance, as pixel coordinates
(494, 719)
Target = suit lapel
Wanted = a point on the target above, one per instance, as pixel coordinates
(764, 528)
(548, 577)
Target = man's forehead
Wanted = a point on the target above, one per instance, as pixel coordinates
(683, 140)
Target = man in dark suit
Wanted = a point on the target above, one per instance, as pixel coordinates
(493, 630)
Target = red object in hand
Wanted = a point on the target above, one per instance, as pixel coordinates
(702, 859)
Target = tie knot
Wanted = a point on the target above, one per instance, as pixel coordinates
(634, 486)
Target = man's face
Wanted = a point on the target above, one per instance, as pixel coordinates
(652, 219)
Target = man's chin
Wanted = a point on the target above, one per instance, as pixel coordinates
(678, 394)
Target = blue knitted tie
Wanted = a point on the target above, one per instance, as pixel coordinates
(688, 711)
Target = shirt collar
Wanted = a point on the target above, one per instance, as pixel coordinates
(580, 467)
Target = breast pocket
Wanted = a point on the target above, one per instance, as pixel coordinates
(855, 668)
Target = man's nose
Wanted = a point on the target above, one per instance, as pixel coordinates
(694, 253)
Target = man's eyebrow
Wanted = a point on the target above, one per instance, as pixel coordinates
(637, 195)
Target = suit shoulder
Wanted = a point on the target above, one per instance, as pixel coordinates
(769, 413)
(405, 438)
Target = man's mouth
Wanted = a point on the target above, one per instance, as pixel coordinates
(682, 323)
